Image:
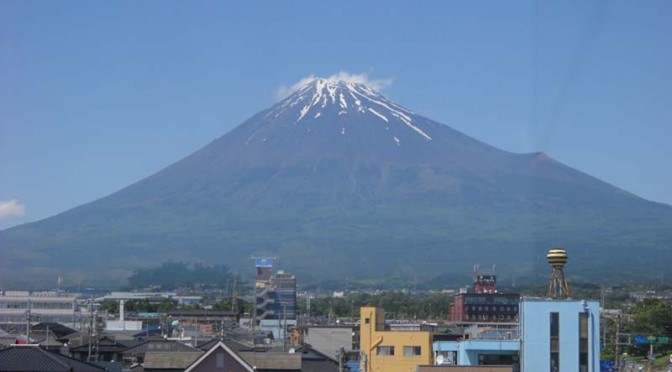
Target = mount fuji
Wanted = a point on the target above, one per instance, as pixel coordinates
(337, 181)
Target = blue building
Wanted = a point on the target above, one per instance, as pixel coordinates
(560, 335)
(482, 344)
(551, 335)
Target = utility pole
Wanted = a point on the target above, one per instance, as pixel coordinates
(617, 358)
(604, 329)
(234, 295)
(28, 316)
(339, 356)
(284, 327)
(88, 358)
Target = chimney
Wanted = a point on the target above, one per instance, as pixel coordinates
(121, 310)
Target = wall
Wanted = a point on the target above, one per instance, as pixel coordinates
(328, 340)
(373, 335)
(535, 328)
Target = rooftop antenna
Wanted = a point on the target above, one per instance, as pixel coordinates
(557, 284)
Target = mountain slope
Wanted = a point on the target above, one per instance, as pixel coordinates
(337, 181)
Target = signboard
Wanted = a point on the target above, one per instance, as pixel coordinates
(607, 366)
(263, 262)
(640, 340)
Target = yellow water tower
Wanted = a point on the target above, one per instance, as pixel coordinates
(557, 284)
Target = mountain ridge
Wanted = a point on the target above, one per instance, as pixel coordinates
(347, 187)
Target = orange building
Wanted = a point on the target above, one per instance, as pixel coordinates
(384, 350)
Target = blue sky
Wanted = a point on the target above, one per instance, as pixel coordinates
(97, 95)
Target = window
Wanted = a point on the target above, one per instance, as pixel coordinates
(583, 342)
(385, 350)
(410, 351)
(367, 320)
(555, 342)
(220, 360)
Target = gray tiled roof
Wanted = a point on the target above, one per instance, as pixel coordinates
(271, 360)
(159, 346)
(172, 360)
(33, 358)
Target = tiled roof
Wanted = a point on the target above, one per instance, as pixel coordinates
(159, 346)
(105, 344)
(57, 328)
(173, 360)
(232, 344)
(272, 360)
(33, 358)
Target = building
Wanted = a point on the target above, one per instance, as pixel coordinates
(277, 298)
(484, 307)
(329, 339)
(552, 335)
(222, 356)
(560, 335)
(34, 358)
(485, 304)
(56, 307)
(384, 350)
(485, 344)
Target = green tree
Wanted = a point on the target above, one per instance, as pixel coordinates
(651, 317)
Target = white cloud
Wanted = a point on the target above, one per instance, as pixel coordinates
(377, 84)
(11, 208)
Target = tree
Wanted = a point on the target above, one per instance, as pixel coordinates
(652, 317)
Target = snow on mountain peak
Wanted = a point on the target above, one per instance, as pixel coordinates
(321, 96)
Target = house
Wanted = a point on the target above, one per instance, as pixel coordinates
(104, 349)
(21, 358)
(169, 361)
(219, 358)
(222, 357)
(137, 354)
(313, 360)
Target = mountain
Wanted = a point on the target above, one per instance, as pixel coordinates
(339, 182)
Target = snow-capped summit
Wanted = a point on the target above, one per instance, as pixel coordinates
(324, 96)
(336, 171)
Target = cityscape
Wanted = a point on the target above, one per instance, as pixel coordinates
(321, 186)
(273, 327)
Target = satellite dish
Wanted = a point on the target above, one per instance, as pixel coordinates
(291, 350)
(440, 359)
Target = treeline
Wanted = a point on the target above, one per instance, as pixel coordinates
(172, 275)
(396, 304)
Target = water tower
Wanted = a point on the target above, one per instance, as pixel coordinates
(557, 285)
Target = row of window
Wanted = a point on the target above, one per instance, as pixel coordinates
(493, 308)
(491, 300)
(488, 317)
(37, 305)
(409, 351)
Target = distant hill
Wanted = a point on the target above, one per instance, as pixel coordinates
(339, 182)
